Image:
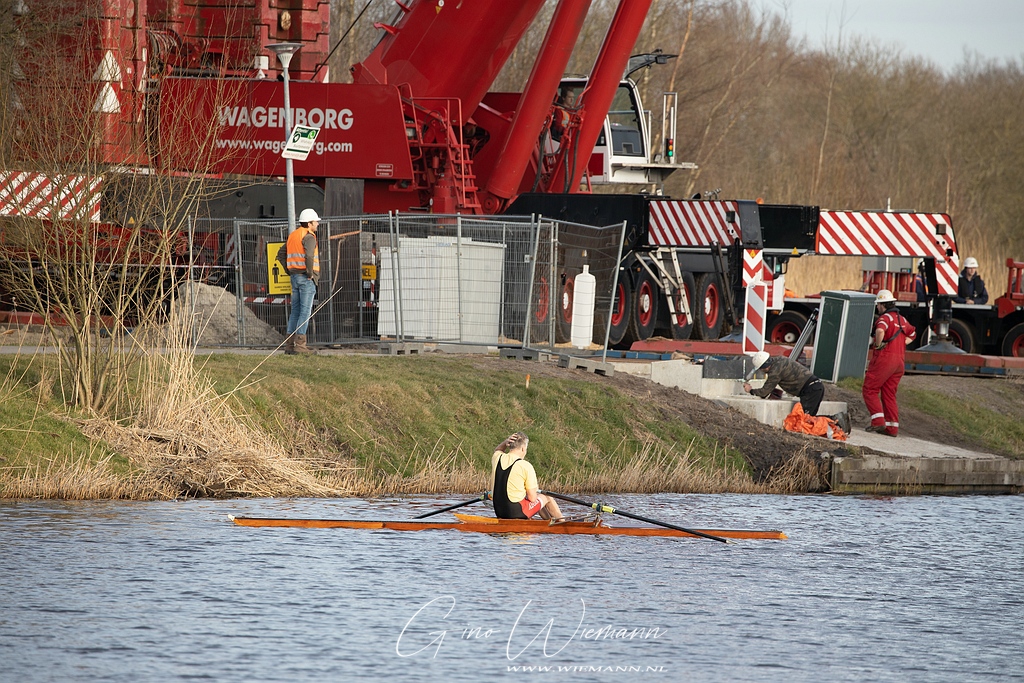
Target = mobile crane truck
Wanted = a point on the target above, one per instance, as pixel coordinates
(418, 129)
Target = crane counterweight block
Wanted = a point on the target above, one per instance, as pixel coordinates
(362, 127)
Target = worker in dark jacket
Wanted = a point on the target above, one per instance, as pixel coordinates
(792, 377)
(971, 288)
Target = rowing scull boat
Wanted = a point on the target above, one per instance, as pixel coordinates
(493, 525)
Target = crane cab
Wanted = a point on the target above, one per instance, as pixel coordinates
(624, 153)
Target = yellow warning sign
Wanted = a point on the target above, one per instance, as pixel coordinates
(278, 281)
(369, 272)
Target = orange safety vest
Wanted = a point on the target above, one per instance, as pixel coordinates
(297, 253)
(560, 121)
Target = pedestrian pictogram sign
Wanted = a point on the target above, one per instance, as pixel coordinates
(300, 143)
(278, 281)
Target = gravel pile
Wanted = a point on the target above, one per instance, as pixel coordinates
(216, 317)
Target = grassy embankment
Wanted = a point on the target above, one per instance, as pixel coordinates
(358, 425)
(38, 444)
(369, 425)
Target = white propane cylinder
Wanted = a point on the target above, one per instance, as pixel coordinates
(584, 288)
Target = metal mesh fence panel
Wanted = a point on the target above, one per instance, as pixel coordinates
(454, 279)
(562, 249)
(350, 296)
(404, 277)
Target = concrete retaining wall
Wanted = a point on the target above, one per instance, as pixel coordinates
(872, 473)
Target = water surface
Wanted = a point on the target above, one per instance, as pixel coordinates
(880, 589)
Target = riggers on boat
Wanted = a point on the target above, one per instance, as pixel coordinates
(492, 525)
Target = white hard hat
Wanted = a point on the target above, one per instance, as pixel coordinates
(970, 262)
(884, 297)
(759, 358)
(308, 216)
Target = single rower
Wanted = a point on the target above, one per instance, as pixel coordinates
(516, 494)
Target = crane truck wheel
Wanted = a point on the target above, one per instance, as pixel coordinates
(540, 323)
(563, 327)
(1013, 342)
(785, 328)
(620, 313)
(709, 314)
(643, 312)
(962, 336)
(681, 325)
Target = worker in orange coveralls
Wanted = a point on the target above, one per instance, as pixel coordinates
(890, 339)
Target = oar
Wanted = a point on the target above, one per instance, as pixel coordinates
(600, 507)
(483, 496)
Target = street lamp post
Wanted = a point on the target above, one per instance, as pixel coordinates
(284, 52)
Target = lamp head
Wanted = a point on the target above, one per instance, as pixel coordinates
(284, 51)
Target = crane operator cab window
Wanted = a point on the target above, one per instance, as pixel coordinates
(624, 125)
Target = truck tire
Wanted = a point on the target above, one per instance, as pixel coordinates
(681, 326)
(620, 313)
(962, 336)
(643, 312)
(710, 313)
(539, 317)
(785, 328)
(1013, 342)
(563, 327)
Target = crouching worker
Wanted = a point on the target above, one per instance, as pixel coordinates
(791, 377)
(515, 491)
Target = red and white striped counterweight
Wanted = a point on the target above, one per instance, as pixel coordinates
(65, 197)
(882, 233)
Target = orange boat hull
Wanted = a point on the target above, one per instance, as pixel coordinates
(492, 525)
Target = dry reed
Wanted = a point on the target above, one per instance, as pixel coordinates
(72, 477)
(180, 437)
(810, 275)
(650, 468)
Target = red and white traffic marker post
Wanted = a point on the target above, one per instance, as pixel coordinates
(755, 310)
(754, 317)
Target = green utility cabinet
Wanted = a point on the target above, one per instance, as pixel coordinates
(845, 320)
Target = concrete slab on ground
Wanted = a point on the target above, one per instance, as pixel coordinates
(400, 348)
(774, 412)
(467, 348)
(523, 354)
(637, 368)
(907, 446)
(595, 366)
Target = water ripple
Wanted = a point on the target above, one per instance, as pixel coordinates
(881, 589)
